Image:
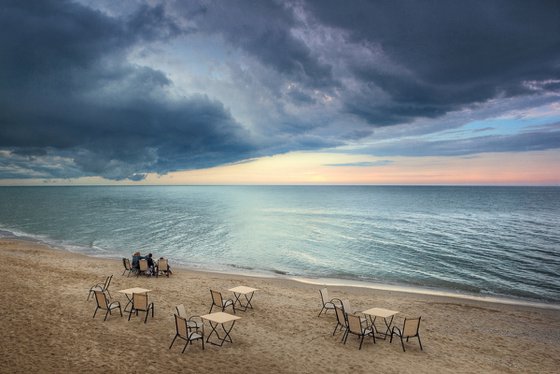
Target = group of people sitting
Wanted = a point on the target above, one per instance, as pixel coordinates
(136, 257)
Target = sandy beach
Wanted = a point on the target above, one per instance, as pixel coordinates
(47, 325)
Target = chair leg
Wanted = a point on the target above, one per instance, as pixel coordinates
(173, 341)
(185, 347)
(361, 342)
(402, 343)
(323, 308)
(420, 343)
(335, 328)
(95, 312)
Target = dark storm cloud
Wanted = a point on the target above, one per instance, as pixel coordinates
(264, 30)
(72, 103)
(446, 54)
(67, 90)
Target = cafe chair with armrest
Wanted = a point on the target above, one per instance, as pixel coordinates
(327, 303)
(163, 267)
(103, 287)
(348, 309)
(218, 301)
(140, 303)
(144, 268)
(192, 320)
(105, 304)
(410, 329)
(127, 266)
(188, 334)
(356, 327)
(341, 321)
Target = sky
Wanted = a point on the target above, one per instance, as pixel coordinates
(280, 92)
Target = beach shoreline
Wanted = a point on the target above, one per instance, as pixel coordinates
(48, 324)
(318, 281)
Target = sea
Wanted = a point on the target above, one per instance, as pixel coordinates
(482, 242)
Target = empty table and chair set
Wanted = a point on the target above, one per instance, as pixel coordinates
(368, 322)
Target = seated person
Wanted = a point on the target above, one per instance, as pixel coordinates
(136, 257)
(151, 265)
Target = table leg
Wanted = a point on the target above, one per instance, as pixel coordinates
(388, 332)
(249, 305)
(227, 336)
(128, 303)
(382, 335)
(247, 299)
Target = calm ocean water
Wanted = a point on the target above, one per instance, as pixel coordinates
(489, 241)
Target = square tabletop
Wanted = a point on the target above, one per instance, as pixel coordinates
(380, 312)
(243, 290)
(134, 290)
(220, 317)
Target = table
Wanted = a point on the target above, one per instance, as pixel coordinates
(130, 291)
(373, 313)
(248, 292)
(220, 319)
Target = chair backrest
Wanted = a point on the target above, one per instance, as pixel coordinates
(216, 298)
(126, 263)
(143, 263)
(324, 295)
(411, 326)
(162, 264)
(181, 311)
(340, 315)
(347, 307)
(101, 299)
(181, 326)
(140, 301)
(107, 282)
(354, 323)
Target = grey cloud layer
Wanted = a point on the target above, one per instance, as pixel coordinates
(70, 96)
(66, 89)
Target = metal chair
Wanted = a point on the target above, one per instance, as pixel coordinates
(183, 331)
(218, 301)
(163, 267)
(340, 321)
(143, 267)
(356, 327)
(127, 266)
(140, 303)
(103, 287)
(410, 329)
(328, 304)
(192, 320)
(104, 304)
